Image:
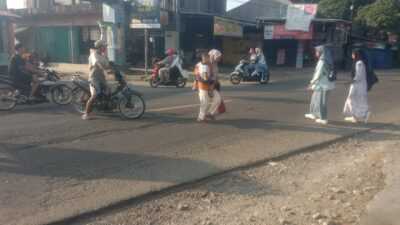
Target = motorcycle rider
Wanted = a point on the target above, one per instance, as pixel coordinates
(22, 75)
(252, 62)
(168, 63)
(98, 67)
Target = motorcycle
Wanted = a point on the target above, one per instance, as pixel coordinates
(124, 100)
(51, 89)
(248, 73)
(177, 77)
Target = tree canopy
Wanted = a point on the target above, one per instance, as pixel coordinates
(383, 15)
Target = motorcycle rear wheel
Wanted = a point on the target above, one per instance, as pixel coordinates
(61, 95)
(154, 83)
(236, 78)
(7, 98)
(132, 108)
(79, 99)
(181, 82)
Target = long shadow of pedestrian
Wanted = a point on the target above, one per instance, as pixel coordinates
(280, 125)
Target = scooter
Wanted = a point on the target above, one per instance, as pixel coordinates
(248, 72)
(51, 89)
(124, 100)
(177, 76)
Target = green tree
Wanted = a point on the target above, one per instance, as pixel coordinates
(340, 9)
(382, 15)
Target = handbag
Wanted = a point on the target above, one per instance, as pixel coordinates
(221, 107)
(372, 79)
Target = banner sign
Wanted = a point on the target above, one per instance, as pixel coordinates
(280, 32)
(226, 27)
(113, 13)
(299, 16)
(146, 15)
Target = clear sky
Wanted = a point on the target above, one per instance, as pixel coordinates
(230, 5)
(235, 3)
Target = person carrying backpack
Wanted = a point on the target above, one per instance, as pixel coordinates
(321, 84)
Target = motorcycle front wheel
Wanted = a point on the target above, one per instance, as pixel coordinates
(79, 99)
(132, 107)
(7, 98)
(61, 95)
(266, 81)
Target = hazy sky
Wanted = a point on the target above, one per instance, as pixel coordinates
(234, 3)
(20, 3)
(15, 4)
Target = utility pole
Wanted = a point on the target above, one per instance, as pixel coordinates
(146, 51)
(349, 45)
(351, 18)
(178, 24)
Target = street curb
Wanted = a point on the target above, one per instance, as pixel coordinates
(178, 187)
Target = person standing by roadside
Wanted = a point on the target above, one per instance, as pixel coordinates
(321, 85)
(356, 108)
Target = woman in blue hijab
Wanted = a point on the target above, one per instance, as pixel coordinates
(321, 85)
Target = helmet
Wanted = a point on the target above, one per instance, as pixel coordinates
(170, 51)
(99, 44)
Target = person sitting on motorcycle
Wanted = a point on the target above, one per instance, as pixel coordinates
(261, 64)
(168, 63)
(21, 73)
(98, 67)
(252, 61)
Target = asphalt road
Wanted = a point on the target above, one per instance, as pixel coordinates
(54, 165)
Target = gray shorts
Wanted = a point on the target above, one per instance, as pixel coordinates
(97, 86)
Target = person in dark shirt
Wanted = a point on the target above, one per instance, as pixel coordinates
(19, 72)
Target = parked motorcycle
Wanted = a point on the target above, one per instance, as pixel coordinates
(51, 89)
(177, 76)
(245, 72)
(124, 100)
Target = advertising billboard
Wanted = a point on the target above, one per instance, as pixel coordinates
(225, 27)
(146, 14)
(279, 31)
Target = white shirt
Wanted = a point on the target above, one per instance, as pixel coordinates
(97, 61)
(204, 71)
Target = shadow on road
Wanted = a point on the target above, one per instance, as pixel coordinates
(79, 165)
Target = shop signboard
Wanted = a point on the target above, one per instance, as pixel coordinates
(113, 13)
(279, 31)
(226, 27)
(146, 15)
(299, 16)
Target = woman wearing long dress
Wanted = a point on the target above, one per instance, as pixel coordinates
(356, 108)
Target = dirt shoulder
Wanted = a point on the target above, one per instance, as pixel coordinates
(331, 186)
